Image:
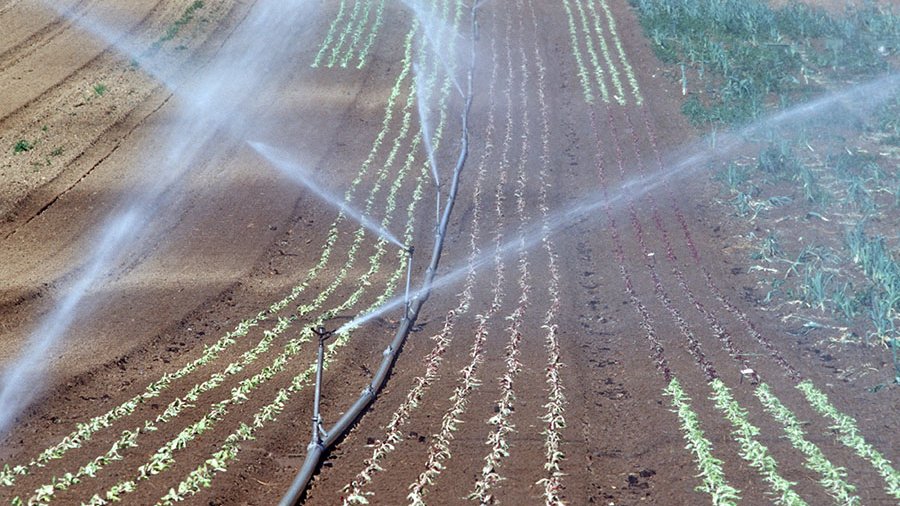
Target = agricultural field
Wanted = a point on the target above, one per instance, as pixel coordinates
(569, 252)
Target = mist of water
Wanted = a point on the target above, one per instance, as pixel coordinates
(435, 30)
(27, 369)
(213, 103)
(297, 173)
(853, 104)
(828, 113)
(423, 98)
(101, 25)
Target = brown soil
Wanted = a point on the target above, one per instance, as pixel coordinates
(240, 238)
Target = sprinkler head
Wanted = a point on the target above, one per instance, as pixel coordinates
(322, 333)
(410, 250)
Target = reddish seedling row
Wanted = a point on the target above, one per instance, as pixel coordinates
(715, 325)
(774, 353)
(693, 344)
(658, 355)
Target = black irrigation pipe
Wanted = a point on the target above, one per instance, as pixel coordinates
(316, 450)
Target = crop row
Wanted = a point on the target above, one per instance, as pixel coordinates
(439, 450)
(694, 346)
(599, 73)
(164, 457)
(128, 438)
(86, 430)
(590, 27)
(358, 30)
(848, 434)
(714, 482)
(202, 475)
(710, 467)
(554, 416)
(468, 381)
(755, 54)
(751, 450)
(617, 42)
(497, 439)
(752, 52)
(744, 433)
(713, 478)
(832, 477)
(699, 264)
(583, 75)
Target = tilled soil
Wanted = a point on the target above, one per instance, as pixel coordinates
(537, 376)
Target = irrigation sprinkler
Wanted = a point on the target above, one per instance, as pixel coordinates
(437, 206)
(389, 356)
(409, 251)
(318, 432)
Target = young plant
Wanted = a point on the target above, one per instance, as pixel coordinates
(848, 434)
(754, 452)
(833, 478)
(714, 483)
(22, 146)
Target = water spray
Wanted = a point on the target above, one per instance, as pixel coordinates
(437, 207)
(422, 99)
(214, 102)
(431, 24)
(298, 174)
(686, 162)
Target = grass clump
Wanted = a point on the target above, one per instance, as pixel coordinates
(744, 52)
(186, 17)
(22, 146)
(740, 59)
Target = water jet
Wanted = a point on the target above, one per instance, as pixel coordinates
(298, 174)
(687, 161)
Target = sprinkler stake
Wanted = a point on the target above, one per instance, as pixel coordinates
(409, 251)
(318, 432)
